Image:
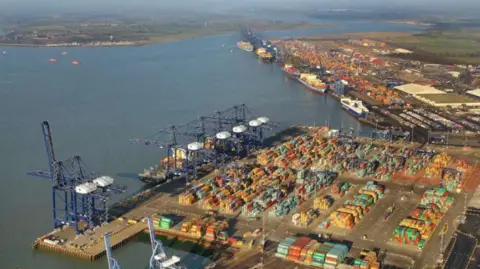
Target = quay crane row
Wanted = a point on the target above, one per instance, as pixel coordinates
(257, 41)
(79, 197)
(209, 139)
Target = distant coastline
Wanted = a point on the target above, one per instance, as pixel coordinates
(155, 39)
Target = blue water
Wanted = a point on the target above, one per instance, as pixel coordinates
(122, 93)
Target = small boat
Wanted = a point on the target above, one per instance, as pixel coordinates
(4, 52)
(64, 53)
(52, 60)
(75, 62)
(355, 107)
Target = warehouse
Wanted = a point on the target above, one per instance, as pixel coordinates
(448, 99)
(416, 89)
(475, 93)
(437, 98)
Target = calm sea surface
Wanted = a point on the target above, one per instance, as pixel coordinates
(122, 93)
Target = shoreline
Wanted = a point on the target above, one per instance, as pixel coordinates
(158, 40)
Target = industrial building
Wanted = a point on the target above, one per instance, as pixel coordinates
(437, 98)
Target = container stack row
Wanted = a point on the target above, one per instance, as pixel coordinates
(439, 162)
(323, 203)
(367, 260)
(417, 162)
(451, 179)
(344, 66)
(162, 222)
(307, 251)
(418, 227)
(285, 207)
(352, 212)
(340, 188)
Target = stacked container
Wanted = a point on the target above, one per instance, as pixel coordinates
(285, 207)
(451, 179)
(354, 210)
(210, 233)
(439, 161)
(162, 222)
(419, 226)
(323, 203)
(306, 251)
(340, 188)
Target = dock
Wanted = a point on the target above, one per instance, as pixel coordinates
(91, 247)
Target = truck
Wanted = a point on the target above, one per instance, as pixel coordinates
(389, 212)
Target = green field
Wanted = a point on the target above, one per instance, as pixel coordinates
(460, 47)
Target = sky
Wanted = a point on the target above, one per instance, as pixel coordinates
(204, 5)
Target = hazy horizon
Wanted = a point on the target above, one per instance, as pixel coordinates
(213, 5)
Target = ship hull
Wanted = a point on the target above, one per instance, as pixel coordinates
(291, 75)
(266, 60)
(151, 180)
(355, 113)
(312, 88)
(246, 49)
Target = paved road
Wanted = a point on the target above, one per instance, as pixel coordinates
(460, 255)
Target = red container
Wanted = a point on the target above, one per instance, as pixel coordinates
(331, 259)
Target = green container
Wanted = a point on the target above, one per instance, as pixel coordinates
(317, 264)
(280, 255)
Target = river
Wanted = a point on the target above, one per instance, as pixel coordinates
(126, 92)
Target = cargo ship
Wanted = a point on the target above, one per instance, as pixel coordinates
(264, 55)
(355, 107)
(244, 45)
(153, 175)
(312, 83)
(291, 71)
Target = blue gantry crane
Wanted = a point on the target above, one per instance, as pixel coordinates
(112, 263)
(159, 258)
(216, 138)
(79, 197)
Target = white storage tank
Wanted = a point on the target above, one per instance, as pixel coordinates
(239, 129)
(195, 146)
(224, 135)
(103, 181)
(263, 120)
(254, 123)
(86, 188)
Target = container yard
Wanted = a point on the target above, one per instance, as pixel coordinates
(364, 70)
(417, 228)
(320, 181)
(304, 250)
(353, 211)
